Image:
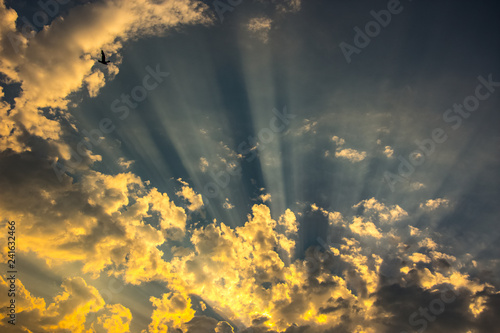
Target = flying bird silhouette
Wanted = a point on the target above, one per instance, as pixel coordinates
(103, 58)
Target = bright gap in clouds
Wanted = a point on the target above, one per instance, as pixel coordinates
(233, 169)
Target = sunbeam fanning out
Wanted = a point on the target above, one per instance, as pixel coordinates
(260, 166)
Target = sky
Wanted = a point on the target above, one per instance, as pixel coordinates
(255, 166)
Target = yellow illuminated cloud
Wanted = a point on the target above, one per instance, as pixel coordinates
(195, 200)
(171, 311)
(49, 77)
(351, 154)
(69, 310)
(364, 228)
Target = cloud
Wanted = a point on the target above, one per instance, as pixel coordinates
(364, 228)
(260, 287)
(419, 257)
(428, 243)
(286, 6)
(67, 312)
(48, 78)
(113, 318)
(290, 5)
(339, 141)
(171, 311)
(227, 204)
(124, 164)
(195, 200)
(434, 204)
(415, 186)
(308, 126)
(265, 197)
(351, 154)
(377, 210)
(371, 273)
(260, 27)
(94, 83)
(99, 220)
(203, 164)
(388, 151)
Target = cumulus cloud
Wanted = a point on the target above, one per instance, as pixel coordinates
(365, 228)
(262, 286)
(349, 154)
(99, 220)
(113, 318)
(308, 126)
(385, 214)
(171, 311)
(67, 312)
(227, 204)
(388, 151)
(338, 141)
(434, 204)
(77, 37)
(124, 164)
(195, 200)
(370, 274)
(203, 164)
(94, 82)
(265, 197)
(260, 27)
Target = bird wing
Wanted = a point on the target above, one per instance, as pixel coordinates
(103, 56)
